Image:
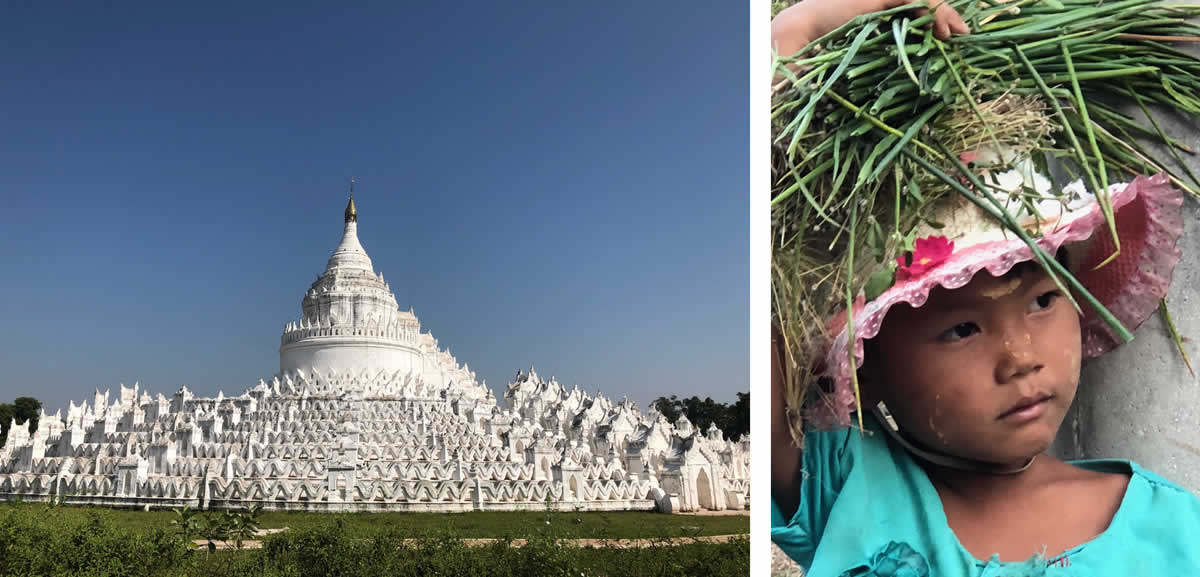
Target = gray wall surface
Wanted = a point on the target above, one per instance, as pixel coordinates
(1139, 402)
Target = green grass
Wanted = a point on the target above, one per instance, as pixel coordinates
(64, 541)
(475, 525)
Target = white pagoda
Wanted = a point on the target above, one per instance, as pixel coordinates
(368, 413)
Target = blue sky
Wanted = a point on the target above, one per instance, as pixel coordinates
(552, 183)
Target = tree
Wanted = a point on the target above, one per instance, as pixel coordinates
(703, 413)
(741, 416)
(214, 529)
(697, 413)
(670, 408)
(243, 526)
(733, 420)
(26, 410)
(187, 524)
(7, 411)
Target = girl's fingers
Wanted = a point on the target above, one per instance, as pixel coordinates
(941, 29)
(953, 20)
(958, 25)
(946, 21)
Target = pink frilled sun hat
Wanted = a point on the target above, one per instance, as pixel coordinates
(1148, 222)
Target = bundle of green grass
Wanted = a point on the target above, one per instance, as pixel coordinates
(874, 123)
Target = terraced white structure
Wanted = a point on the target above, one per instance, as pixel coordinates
(368, 413)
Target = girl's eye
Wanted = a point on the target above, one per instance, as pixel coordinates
(959, 332)
(1043, 301)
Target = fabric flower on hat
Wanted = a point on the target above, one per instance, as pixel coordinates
(927, 254)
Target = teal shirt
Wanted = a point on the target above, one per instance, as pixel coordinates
(868, 510)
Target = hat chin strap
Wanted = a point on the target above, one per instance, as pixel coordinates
(941, 459)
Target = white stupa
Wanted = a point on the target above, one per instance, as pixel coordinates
(367, 413)
(350, 321)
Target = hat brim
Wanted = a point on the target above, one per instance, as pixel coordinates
(1149, 224)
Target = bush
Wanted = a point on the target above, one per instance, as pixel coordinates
(46, 542)
(326, 551)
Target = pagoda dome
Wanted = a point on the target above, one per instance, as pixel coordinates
(350, 319)
(349, 253)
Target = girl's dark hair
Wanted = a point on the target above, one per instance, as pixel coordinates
(1022, 267)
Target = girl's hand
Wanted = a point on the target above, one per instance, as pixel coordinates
(797, 25)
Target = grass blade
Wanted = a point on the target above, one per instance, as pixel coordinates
(806, 113)
(916, 126)
(900, 32)
(1166, 315)
(1102, 192)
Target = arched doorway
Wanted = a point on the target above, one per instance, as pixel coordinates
(704, 491)
(574, 487)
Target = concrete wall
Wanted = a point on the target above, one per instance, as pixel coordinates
(1139, 402)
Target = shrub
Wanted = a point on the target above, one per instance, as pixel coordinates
(45, 542)
(326, 551)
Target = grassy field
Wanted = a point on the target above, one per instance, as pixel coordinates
(498, 524)
(57, 541)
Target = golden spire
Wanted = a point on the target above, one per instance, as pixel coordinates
(351, 213)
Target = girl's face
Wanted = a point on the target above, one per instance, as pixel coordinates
(986, 371)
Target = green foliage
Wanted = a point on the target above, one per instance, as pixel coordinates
(187, 525)
(741, 416)
(213, 528)
(72, 541)
(327, 551)
(733, 420)
(27, 410)
(7, 412)
(670, 408)
(24, 410)
(485, 524)
(242, 525)
(44, 541)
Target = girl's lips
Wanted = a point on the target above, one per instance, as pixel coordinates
(1026, 410)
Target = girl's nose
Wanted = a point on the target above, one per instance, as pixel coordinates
(1017, 357)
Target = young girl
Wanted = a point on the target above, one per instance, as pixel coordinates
(968, 364)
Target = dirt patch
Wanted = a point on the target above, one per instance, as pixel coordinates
(612, 543)
(724, 513)
(782, 565)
